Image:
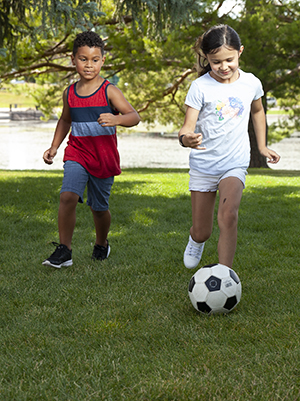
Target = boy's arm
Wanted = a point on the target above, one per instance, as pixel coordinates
(259, 124)
(61, 131)
(189, 138)
(128, 117)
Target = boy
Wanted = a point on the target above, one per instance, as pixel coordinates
(91, 107)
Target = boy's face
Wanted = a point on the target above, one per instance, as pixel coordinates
(88, 62)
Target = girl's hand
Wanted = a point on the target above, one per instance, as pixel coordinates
(270, 154)
(107, 120)
(192, 140)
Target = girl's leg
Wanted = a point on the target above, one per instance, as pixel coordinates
(67, 217)
(230, 192)
(102, 221)
(203, 204)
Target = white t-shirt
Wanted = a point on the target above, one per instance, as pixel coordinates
(223, 119)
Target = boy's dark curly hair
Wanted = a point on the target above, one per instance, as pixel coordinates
(90, 39)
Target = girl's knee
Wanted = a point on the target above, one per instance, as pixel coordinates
(200, 235)
(228, 217)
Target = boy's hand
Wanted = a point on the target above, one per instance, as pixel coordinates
(49, 155)
(107, 120)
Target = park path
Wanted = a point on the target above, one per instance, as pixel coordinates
(22, 145)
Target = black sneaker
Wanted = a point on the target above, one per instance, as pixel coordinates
(101, 252)
(62, 256)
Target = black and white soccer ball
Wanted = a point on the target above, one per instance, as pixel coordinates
(215, 288)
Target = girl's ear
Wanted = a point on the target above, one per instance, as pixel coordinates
(73, 59)
(241, 50)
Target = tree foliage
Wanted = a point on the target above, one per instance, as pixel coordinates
(161, 14)
(18, 18)
(149, 49)
(270, 34)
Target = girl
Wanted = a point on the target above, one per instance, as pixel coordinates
(219, 103)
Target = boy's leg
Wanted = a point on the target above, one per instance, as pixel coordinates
(98, 200)
(67, 217)
(230, 192)
(73, 186)
(62, 256)
(102, 221)
(74, 182)
(203, 204)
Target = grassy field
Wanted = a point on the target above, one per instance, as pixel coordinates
(125, 329)
(8, 97)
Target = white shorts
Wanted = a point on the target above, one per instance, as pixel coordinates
(210, 183)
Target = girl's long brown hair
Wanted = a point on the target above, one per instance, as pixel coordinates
(211, 41)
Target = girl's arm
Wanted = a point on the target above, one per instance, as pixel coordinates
(259, 124)
(128, 117)
(61, 131)
(189, 138)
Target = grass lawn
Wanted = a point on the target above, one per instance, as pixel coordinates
(8, 97)
(276, 111)
(125, 329)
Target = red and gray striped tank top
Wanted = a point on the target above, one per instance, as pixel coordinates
(90, 144)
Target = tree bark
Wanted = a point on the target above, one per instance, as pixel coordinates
(256, 160)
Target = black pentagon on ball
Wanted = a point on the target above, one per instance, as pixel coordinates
(213, 283)
(230, 303)
(192, 284)
(203, 307)
(234, 276)
(212, 265)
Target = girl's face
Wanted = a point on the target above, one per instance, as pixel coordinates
(224, 64)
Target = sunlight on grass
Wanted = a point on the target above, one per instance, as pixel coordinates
(125, 328)
(9, 97)
(145, 217)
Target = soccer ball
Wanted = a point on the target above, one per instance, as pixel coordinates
(215, 289)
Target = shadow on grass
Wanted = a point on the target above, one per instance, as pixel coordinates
(130, 317)
(151, 213)
(273, 173)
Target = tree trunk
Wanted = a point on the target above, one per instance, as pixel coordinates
(256, 160)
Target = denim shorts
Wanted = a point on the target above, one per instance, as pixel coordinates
(210, 183)
(75, 180)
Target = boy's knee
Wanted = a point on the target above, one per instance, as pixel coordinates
(100, 213)
(68, 198)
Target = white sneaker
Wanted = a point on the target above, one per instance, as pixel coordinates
(192, 254)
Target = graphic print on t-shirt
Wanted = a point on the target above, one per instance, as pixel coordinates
(229, 108)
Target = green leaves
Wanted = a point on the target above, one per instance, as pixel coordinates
(149, 46)
(18, 18)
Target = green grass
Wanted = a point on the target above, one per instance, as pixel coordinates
(9, 97)
(277, 112)
(125, 329)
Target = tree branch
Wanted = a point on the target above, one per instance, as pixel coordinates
(169, 90)
(53, 67)
(288, 75)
